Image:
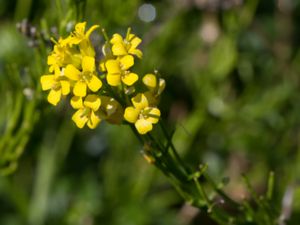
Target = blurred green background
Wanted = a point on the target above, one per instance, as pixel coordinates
(232, 69)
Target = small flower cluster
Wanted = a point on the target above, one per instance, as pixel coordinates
(104, 90)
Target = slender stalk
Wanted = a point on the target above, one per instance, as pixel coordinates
(172, 166)
(221, 192)
(105, 35)
(174, 151)
(202, 191)
(270, 189)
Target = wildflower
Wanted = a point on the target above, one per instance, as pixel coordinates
(86, 111)
(117, 71)
(57, 84)
(79, 36)
(122, 47)
(62, 55)
(141, 114)
(85, 78)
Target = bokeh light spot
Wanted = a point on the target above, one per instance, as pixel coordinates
(147, 12)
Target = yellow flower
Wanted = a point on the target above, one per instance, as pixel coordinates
(122, 47)
(57, 84)
(86, 113)
(79, 36)
(85, 78)
(62, 55)
(117, 71)
(141, 114)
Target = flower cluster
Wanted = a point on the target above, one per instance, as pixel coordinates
(104, 89)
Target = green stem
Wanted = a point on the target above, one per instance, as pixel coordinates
(175, 170)
(105, 35)
(221, 192)
(174, 151)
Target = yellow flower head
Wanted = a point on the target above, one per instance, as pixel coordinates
(111, 110)
(122, 47)
(141, 114)
(57, 84)
(79, 34)
(117, 71)
(86, 111)
(62, 55)
(82, 38)
(87, 78)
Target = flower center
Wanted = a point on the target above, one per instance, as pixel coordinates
(144, 114)
(127, 44)
(86, 76)
(125, 73)
(85, 112)
(56, 85)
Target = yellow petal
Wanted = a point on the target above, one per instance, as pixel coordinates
(51, 60)
(93, 121)
(153, 115)
(74, 40)
(127, 62)
(94, 83)
(130, 78)
(117, 38)
(131, 114)
(72, 72)
(80, 89)
(140, 101)
(79, 118)
(57, 72)
(131, 36)
(86, 48)
(88, 64)
(76, 102)
(88, 33)
(135, 41)
(65, 87)
(150, 80)
(80, 28)
(54, 96)
(113, 66)
(67, 41)
(92, 101)
(52, 68)
(113, 79)
(47, 82)
(143, 126)
(136, 52)
(119, 49)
